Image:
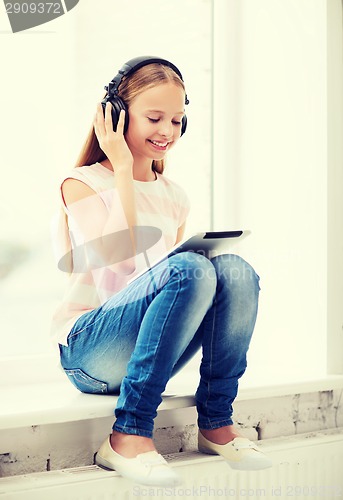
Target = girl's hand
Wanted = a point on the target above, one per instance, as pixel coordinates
(112, 143)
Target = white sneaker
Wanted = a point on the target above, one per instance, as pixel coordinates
(240, 453)
(148, 468)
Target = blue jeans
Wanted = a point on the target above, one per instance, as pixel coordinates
(148, 331)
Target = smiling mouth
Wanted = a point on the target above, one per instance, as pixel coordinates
(157, 143)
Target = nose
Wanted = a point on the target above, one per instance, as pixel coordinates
(166, 128)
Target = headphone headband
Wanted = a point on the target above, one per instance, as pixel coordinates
(127, 69)
(135, 64)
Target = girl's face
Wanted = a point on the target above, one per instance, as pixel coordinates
(155, 121)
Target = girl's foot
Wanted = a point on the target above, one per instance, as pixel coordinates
(146, 466)
(239, 452)
(130, 445)
(222, 435)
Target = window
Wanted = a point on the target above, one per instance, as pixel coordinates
(52, 80)
(271, 169)
(262, 152)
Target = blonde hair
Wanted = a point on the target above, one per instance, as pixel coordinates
(130, 87)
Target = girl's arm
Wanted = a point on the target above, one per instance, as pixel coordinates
(117, 151)
(180, 233)
(99, 227)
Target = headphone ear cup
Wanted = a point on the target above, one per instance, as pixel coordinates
(184, 125)
(117, 105)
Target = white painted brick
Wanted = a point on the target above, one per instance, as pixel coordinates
(315, 411)
(268, 417)
(338, 408)
(276, 429)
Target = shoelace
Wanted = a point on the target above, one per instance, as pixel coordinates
(244, 445)
(151, 461)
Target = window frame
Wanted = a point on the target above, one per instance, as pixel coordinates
(335, 181)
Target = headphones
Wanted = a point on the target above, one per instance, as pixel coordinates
(127, 69)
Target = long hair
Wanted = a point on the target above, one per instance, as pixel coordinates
(130, 87)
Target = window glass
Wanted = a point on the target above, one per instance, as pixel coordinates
(52, 78)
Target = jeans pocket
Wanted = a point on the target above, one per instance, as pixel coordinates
(85, 383)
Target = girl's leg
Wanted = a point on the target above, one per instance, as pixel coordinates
(224, 335)
(167, 328)
(135, 339)
(226, 331)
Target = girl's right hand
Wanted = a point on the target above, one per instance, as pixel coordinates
(112, 143)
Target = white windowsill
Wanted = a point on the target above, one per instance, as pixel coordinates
(54, 400)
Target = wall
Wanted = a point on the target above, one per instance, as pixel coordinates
(270, 169)
(73, 444)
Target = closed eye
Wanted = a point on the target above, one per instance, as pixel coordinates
(155, 120)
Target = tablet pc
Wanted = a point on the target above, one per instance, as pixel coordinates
(215, 241)
(205, 243)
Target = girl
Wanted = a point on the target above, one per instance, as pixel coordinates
(130, 338)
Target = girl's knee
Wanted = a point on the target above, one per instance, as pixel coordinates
(189, 260)
(233, 269)
(195, 267)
